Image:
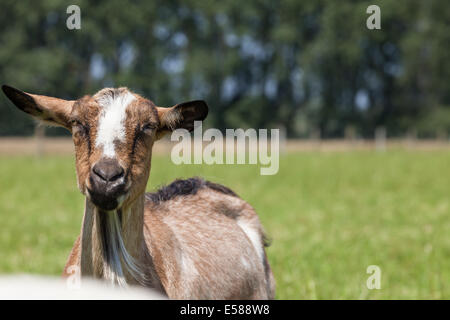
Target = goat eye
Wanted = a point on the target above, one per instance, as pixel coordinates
(76, 123)
(147, 128)
(77, 126)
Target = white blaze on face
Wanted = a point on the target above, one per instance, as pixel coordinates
(111, 126)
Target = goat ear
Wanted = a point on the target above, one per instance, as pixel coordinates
(50, 110)
(181, 116)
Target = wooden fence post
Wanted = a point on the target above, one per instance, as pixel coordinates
(39, 136)
(380, 139)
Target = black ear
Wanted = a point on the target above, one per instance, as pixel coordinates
(191, 111)
(51, 110)
(22, 100)
(182, 115)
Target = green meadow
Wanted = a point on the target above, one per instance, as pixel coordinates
(329, 215)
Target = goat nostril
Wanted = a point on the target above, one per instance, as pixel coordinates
(118, 175)
(108, 171)
(99, 173)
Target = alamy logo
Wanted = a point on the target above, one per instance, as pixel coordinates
(248, 143)
(374, 20)
(374, 281)
(73, 281)
(74, 20)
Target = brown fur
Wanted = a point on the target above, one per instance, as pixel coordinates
(205, 216)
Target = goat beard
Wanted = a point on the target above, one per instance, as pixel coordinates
(118, 263)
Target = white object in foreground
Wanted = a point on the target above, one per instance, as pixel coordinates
(26, 287)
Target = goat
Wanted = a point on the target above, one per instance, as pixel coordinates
(193, 239)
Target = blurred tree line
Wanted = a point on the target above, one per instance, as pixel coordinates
(306, 65)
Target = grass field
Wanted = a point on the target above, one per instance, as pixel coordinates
(330, 216)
